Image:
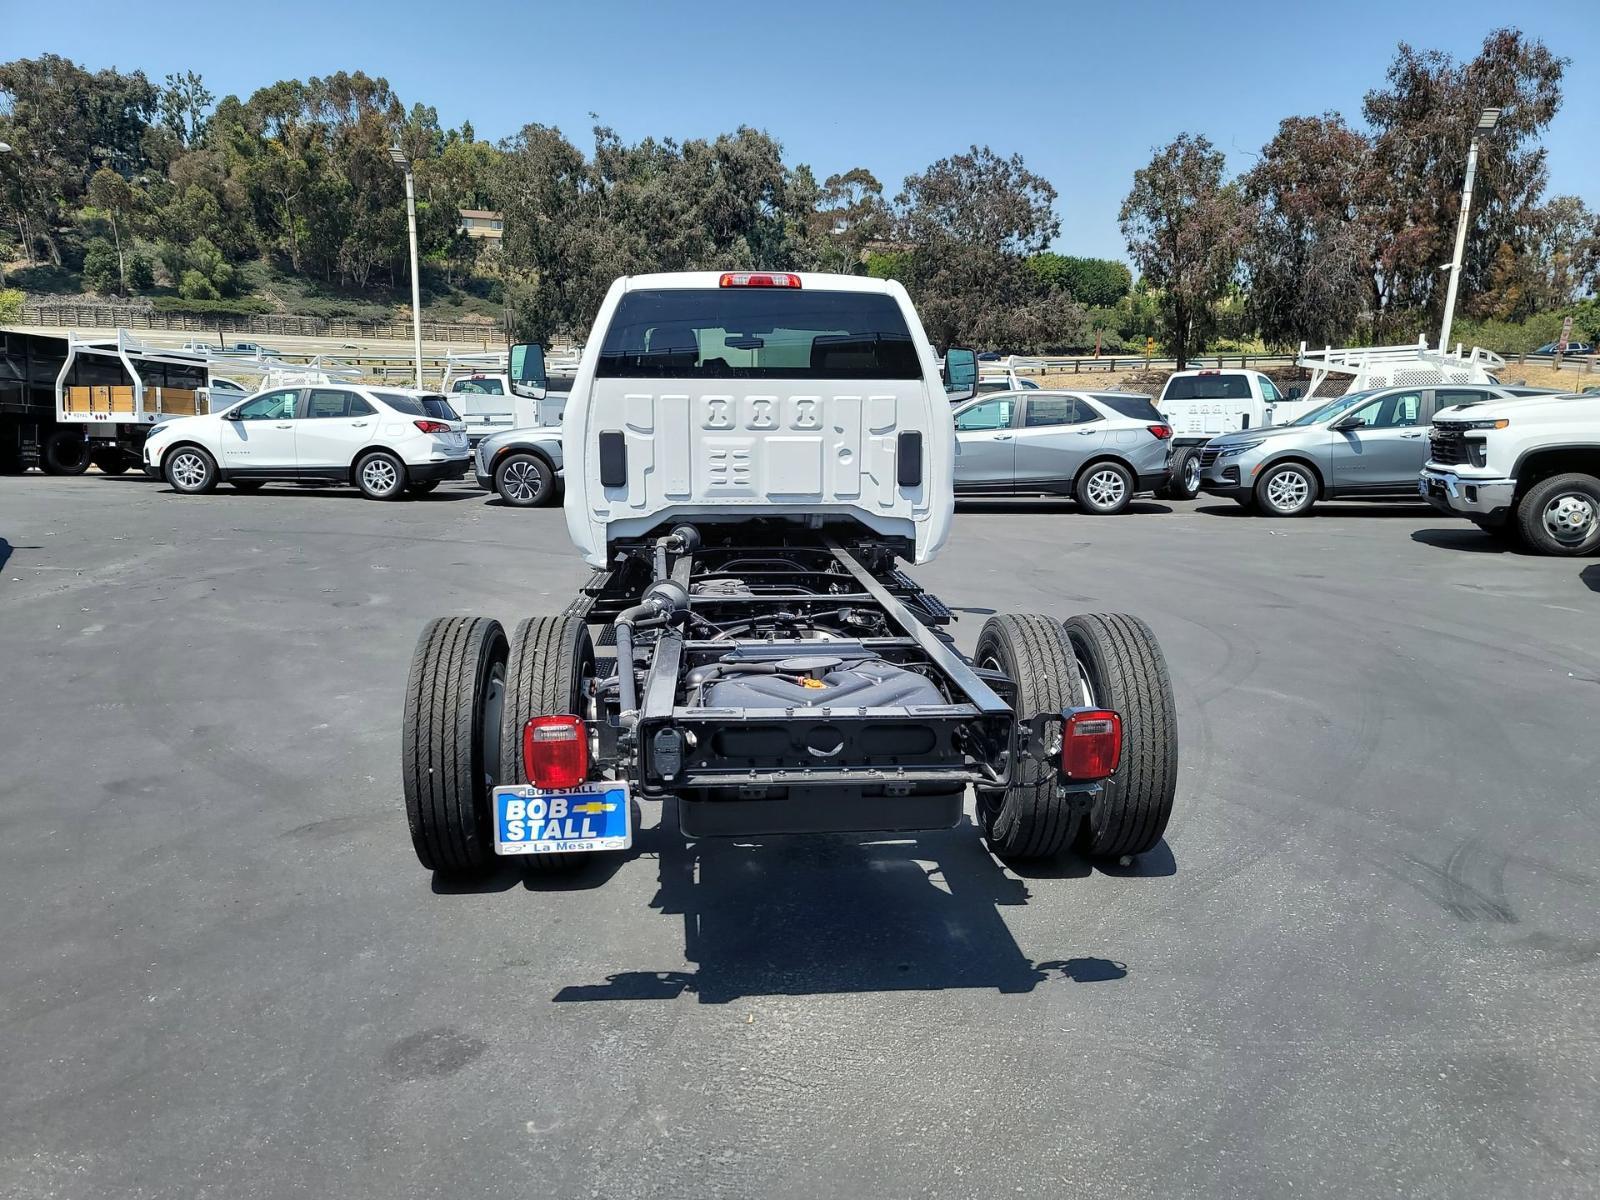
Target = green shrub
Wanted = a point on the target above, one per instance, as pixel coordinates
(100, 268)
(141, 273)
(10, 305)
(199, 307)
(195, 286)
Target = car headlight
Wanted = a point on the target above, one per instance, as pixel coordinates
(1239, 448)
(1499, 423)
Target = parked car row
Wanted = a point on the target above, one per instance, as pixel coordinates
(1517, 460)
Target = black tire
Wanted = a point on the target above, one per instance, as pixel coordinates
(1126, 671)
(525, 480)
(449, 745)
(423, 487)
(1029, 819)
(550, 658)
(1104, 488)
(1183, 475)
(248, 485)
(110, 462)
(189, 470)
(380, 476)
(1561, 515)
(1287, 489)
(66, 452)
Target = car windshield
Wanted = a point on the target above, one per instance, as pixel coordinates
(1129, 405)
(757, 333)
(436, 407)
(1332, 408)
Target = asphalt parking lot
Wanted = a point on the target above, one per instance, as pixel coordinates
(1364, 963)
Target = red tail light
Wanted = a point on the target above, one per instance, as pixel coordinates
(761, 279)
(1091, 744)
(432, 426)
(555, 752)
(1162, 432)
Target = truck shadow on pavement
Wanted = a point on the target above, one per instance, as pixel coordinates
(1591, 577)
(866, 913)
(1470, 541)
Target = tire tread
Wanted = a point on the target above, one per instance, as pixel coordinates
(1033, 820)
(443, 781)
(1129, 674)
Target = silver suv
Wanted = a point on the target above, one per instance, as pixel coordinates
(1100, 448)
(1360, 446)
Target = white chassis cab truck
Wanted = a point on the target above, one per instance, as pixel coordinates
(749, 456)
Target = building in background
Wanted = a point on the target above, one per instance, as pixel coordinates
(481, 223)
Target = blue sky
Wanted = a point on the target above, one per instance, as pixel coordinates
(1082, 92)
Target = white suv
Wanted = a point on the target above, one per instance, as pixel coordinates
(386, 441)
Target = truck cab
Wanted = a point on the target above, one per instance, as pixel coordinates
(722, 396)
(1528, 467)
(1209, 402)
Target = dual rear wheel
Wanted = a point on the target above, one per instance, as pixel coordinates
(471, 691)
(1100, 660)
(469, 694)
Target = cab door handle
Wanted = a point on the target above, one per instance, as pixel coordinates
(358, 424)
(1411, 435)
(1002, 437)
(283, 426)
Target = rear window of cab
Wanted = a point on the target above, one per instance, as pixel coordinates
(757, 333)
(1223, 385)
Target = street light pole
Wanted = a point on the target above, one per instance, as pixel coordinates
(404, 163)
(1487, 120)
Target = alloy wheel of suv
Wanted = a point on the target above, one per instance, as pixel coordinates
(1287, 490)
(191, 470)
(524, 480)
(381, 476)
(1106, 487)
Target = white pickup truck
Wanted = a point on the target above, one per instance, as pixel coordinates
(480, 389)
(1527, 467)
(1210, 402)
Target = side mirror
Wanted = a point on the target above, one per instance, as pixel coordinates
(960, 374)
(1350, 423)
(233, 415)
(528, 377)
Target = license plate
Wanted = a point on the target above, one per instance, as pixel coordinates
(591, 816)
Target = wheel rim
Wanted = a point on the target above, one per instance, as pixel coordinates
(188, 470)
(522, 481)
(1191, 474)
(1105, 489)
(1570, 517)
(494, 702)
(1288, 490)
(380, 476)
